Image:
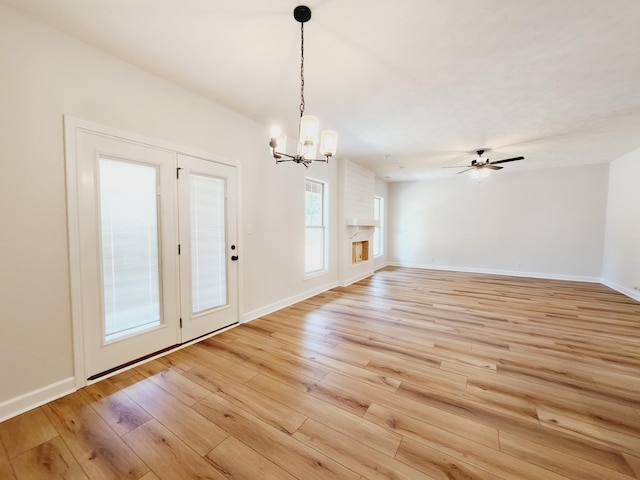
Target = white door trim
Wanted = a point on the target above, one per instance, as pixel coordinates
(72, 126)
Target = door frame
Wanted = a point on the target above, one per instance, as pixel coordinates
(72, 126)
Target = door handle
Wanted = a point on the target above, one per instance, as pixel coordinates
(234, 258)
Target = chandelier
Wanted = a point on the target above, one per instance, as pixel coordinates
(308, 126)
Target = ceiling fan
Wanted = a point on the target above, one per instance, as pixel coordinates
(481, 167)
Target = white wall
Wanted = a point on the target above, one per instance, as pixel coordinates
(546, 223)
(621, 266)
(46, 74)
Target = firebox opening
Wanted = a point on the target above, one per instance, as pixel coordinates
(360, 251)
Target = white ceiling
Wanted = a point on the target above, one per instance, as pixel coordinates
(410, 85)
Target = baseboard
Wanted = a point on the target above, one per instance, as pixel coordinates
(27, 401)
(357, 278)
(510, 273)
(287, 302)
(381, 266)
(624, 290)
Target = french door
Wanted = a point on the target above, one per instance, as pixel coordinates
(208, 252)
(157, 249)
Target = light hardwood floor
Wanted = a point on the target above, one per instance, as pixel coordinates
(408, 374)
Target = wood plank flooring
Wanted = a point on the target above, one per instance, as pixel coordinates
(410, 374)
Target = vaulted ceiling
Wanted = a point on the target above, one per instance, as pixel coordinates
(411, 86)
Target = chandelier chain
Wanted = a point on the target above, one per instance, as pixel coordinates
(301, 69)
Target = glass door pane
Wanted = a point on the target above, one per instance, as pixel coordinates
(130, 247)
(208, 243)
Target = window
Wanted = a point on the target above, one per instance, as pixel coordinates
(315, 227)
(378, 232)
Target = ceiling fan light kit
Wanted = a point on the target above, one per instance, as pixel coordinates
(479, 173)
(309, 125)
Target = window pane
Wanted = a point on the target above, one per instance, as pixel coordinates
(378, 214)
(315, 242)
(130, 263)
(376, 242)
(208, 243)
(314, 249)
(314, 203)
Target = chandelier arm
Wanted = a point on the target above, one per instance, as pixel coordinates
(296, 159)
(281, 154)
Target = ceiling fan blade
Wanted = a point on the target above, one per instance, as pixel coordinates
(508, 160)
(493, 167)
(458, 166)
(465, 170)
